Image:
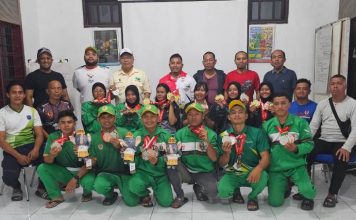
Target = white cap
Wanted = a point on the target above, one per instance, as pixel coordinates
(126, 50)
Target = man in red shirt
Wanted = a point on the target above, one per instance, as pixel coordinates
(248, 79)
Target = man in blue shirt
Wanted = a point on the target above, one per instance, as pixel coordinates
(302, 106)
(282, 78)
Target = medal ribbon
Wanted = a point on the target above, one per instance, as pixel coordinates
(148, 142)
(137, 107)
(282, 130)
(239, 146)
(196, 130)
(61, 140)
(264, 111)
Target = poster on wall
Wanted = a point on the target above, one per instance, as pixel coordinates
(260, 43)
(106, 43)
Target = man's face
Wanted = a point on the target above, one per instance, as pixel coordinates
(107, 121)
(175, 65)
(301, 91)
(194, 117)
(149, 120)
(55, 90)
(91, 58)
(237, 115)
(337, 86)
(66, 125)
(127, 61)
(281, 105)
(45, 61)
(209, 62)
(277, 59)
(241, 61)
(16, 95)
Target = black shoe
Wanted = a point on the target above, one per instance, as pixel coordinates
(307, 205)
(199, 193)
(298, 197)
(17, 194)
(111, 200)
(237, 198)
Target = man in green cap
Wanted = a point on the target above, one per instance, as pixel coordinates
(105, 150)
(61, 164)
(245, 157)
(151, 165)
(200, 151)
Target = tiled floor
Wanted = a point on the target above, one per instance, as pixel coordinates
(195, 210)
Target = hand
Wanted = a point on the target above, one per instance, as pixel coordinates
(220, 103)
(343, 154)
(75, 149)
(226, 147)
(253, 108)
(55, 151)
(172, 99)
(23, 160)
(255, 175)
(152, 157)
(33, 155)
(71, 185)
(115, 142)
(203, 134)
(291, 147)
(245, 101)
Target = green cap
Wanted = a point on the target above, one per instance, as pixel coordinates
(237, 102)
(195, 106)
(90, 48)
(106, 109)
(149, 108)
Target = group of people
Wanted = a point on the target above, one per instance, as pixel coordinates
(216, 131)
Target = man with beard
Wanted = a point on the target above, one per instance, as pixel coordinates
(85, 76)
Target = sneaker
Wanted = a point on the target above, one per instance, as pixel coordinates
(199, 193)
(17, 194)
(307, 205)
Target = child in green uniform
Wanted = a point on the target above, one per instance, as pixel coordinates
(61, 164)
(151, 170)
(110, 168)
(127, 113)
(291, 141)
(199, 154)
(245, 157)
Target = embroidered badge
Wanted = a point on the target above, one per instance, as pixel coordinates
(100, 146)
(28, 117)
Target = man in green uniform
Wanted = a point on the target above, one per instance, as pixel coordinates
(245, 157)
(61, 164)
(109, 165)
(151, 170)
(199, 154)
(291, 140)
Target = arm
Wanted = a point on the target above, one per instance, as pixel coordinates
(22, 159)
(255, 174)
(72, 184)
(34, 153)
(172, 119)
(316, 120)
(225, 157)
(29, 96)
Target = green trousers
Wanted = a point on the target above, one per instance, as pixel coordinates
(230, 182)
(106, 182)
(52, 175)
(278, 182)
(140, 182)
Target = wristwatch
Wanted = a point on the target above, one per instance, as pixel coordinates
(76, 177)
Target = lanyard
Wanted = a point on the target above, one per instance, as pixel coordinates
(283, 130)
(196, 130)
(148, 142)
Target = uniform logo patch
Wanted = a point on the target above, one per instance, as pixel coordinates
(28, 117)
(100, 146)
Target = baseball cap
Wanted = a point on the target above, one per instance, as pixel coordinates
(149, 108)
(106, 109)
(43, 50)
(126, 50)
(90, 48)
(237, 102)
(195, 106)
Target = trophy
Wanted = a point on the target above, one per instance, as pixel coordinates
(83, 140)
(129, 145)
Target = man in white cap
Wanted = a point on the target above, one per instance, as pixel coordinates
(128, 75)
(85, 76)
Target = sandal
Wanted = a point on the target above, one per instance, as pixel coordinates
(179, 202)
(146, 201)
(111, 200)
(53, 203)
(252, 205)
(307, 204)
(330, 201)
(42, 193)
(86, 198)
(237, 198)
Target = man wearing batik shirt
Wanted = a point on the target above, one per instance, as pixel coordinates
(50, 110)
(291, 140)
(245, 157)
(200, 151)
(179, 82)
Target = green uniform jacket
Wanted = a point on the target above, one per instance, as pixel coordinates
(159, 169)
(66, 157)
(256, 142)
(281, 158)
(90, 117)
(194, 155)
(108, 158)
(131, 122)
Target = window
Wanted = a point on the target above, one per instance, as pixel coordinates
(268, 11)
(104, 13)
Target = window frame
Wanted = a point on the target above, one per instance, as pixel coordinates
(284, 12)
(87, 16)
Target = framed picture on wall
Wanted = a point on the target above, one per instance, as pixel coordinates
(106, 43)
(260, 43)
